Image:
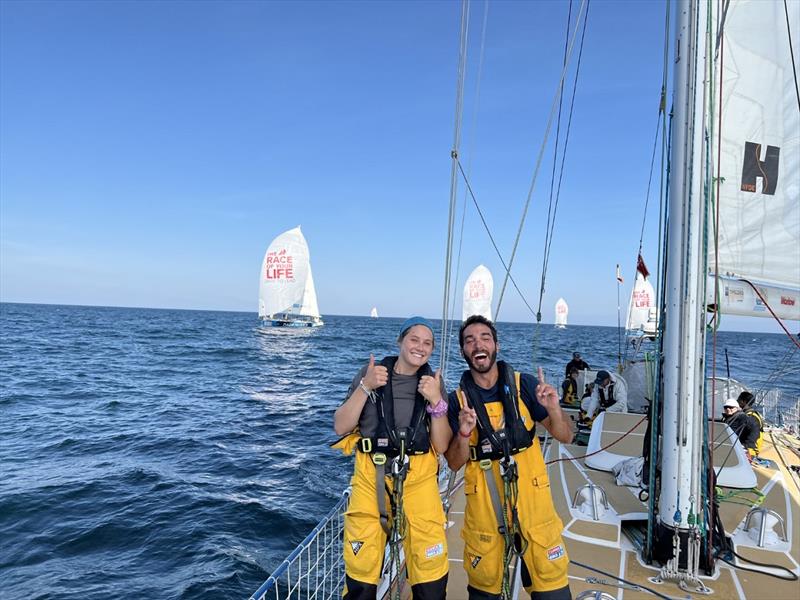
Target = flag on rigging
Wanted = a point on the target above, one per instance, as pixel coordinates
(641, 267)
(619, 275)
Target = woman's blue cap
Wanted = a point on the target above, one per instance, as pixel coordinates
(411, 321)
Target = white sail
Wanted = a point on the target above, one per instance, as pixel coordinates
(759, 173)
(641, 309)
(562, 310)
(374, 312)
(308, 306)
(478, 294)
(286, 288)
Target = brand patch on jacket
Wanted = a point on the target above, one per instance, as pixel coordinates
(382, 442)
(435, 550)
(555, 552)
(474, 560)
(356, 546)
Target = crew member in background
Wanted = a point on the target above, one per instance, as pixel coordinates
(609, 393)
(746, 428)
(396, 409)
(746, 400)
(577, 363)
(570, 396)
(493, 414)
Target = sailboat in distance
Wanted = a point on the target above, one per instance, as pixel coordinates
(374, 312)
(562, 310)
(286, 294)
(478, 294)
(642, 311)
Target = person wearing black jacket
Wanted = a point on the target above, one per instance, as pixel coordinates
(576, 363)
(744, 426)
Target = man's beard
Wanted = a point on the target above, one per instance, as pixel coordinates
(490, 363)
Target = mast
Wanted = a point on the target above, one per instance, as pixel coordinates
(680, 509)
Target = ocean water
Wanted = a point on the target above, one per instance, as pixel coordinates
(182, 454)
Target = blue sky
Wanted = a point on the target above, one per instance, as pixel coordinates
(150, 151)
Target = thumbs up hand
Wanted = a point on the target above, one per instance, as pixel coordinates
(431, 387)
(376, 375)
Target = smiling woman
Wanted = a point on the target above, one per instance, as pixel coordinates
(395, 419)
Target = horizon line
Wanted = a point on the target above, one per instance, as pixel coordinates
(255, 312)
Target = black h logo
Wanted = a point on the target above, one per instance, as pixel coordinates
(753, 167)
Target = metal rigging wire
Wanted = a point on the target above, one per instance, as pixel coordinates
(539, 161)
(479, 77)
(491, 239)
(552, 208)
(454, 179)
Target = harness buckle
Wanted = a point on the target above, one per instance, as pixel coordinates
(365, 445)
(398, 469)
(473, 453)
(485, 464)
(508, 468)
(379, 458)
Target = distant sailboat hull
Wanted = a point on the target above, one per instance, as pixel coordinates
(294, 322)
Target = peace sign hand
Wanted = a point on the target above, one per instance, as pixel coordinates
(546, 393)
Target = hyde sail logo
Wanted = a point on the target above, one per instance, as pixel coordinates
(753, 168)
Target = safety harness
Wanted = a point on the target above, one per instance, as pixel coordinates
(753, 413)
(606, 401)
(501, 445)
(570, 388)
(394, 445)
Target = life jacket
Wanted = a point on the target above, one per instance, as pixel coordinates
(389, 439)
(570, 397)
(751, 412)
(606, 401)
(514, 436)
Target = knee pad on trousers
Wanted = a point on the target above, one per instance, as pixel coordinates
(358, 590)
(430, 590)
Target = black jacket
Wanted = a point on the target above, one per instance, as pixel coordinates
(579, 364)
(746, 427)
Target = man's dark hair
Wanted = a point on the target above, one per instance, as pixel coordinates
(745, 400)
(471, 321)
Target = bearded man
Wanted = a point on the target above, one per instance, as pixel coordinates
(509, 511)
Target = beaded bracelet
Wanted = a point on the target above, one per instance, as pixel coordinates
(439, 410)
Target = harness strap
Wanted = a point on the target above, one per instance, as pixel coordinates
(379, 460)
(494, 494)
(380, 445)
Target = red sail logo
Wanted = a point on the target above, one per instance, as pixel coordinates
(278, 266)
(641, 299)
(476, 289)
